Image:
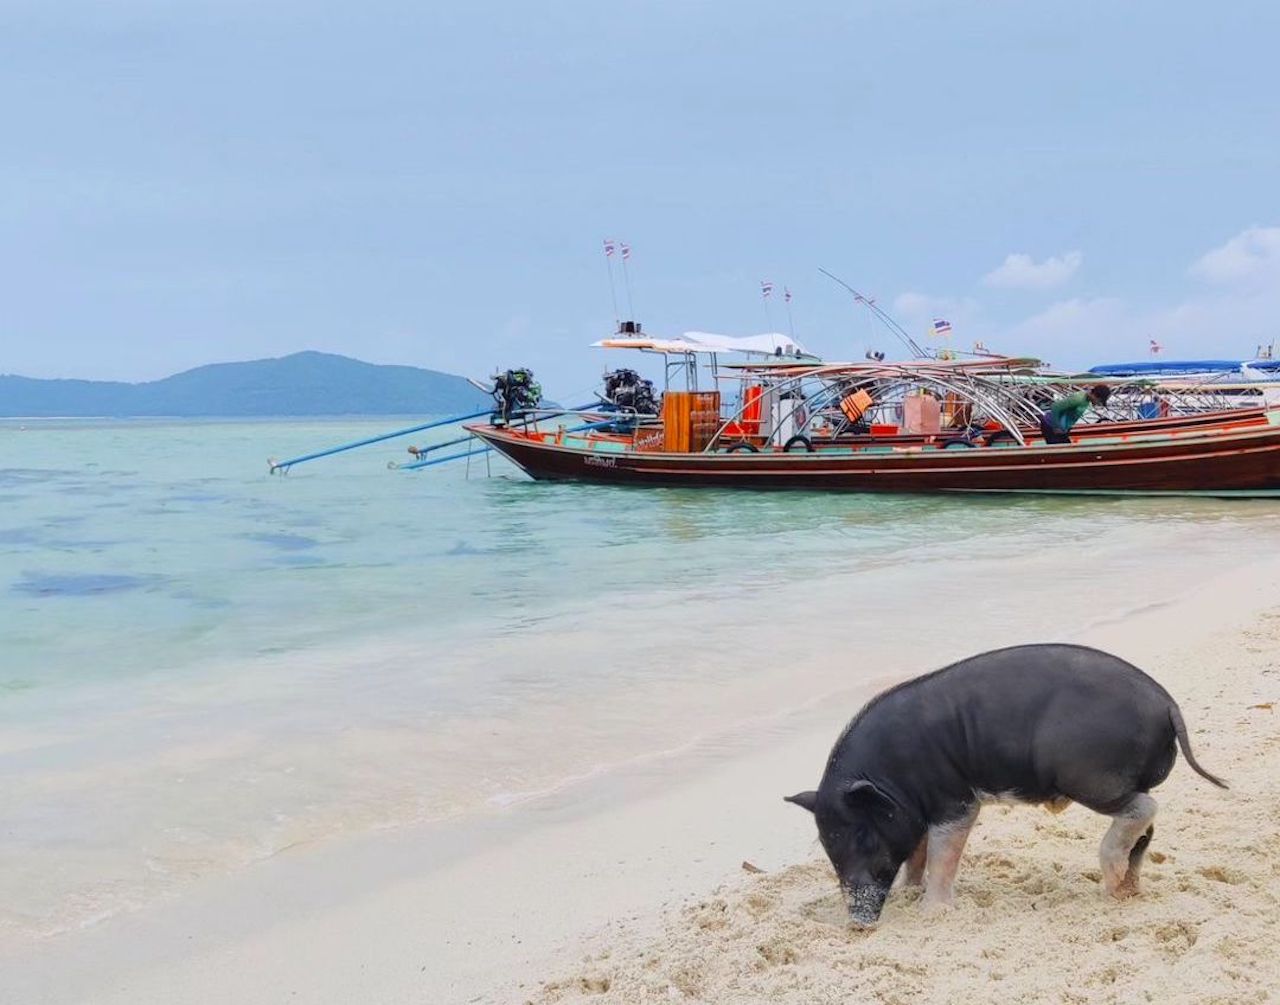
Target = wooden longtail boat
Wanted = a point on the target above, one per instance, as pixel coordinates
(923, 425)
(812, 407)
(1217, 461)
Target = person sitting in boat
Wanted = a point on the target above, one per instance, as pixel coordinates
(1056, 423)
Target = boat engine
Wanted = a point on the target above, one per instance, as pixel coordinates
(629, 392)
(630, 395)
(515, 392)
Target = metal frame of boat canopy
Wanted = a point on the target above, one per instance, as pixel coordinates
(1130, 394)
(1127, 395)
(816, 391)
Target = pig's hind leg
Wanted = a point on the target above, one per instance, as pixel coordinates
(1125, 845)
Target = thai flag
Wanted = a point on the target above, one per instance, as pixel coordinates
(786, 294)
(941, 328)
(626, 251)
(1155, 347)
(766, 288)
(608, 248)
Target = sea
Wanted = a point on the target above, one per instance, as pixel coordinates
(204, 665)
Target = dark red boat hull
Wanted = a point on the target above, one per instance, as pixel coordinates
(1205, 462)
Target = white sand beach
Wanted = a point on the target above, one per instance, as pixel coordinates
(631, 888)
(1029, 923)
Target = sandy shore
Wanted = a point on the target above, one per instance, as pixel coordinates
(631, 888)
(1029, 923)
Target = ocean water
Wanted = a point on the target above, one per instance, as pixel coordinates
(202, 665)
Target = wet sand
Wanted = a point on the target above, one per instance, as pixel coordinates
(630, 888)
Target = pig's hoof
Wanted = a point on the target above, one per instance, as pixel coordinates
(936, 905)
(1126, 889)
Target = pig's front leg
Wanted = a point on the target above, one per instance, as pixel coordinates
(915, 864)
(945, 846)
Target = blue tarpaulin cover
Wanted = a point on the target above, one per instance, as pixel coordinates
(1183, 366)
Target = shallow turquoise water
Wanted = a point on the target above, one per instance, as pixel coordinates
(138, 548)
(203, 663)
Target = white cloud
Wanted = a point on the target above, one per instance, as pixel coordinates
(923, 308)
(1078, 333)
(1228, 320)
(1022, 272)
(1251, 256)
(1072, 333)
(916, 312)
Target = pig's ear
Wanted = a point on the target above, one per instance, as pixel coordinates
(805, 800)
(866, 796)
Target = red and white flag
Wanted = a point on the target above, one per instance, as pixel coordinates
(766, 288)
(786, 294)
(626, 250)
(608, 248)
(1155, 347)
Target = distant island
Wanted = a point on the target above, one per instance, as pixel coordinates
(305, 383)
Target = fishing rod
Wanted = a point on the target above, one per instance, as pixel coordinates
(883, 316)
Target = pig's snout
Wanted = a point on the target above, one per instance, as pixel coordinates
(865, 902)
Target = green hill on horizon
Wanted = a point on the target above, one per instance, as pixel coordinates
(304, 383)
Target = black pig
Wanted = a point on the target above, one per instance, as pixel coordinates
(1049, 724)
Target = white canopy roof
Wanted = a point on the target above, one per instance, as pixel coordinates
(768, 344)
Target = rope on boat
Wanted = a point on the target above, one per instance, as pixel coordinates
(282, 467)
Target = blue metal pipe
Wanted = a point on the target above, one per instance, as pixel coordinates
(463, 439)
(447, 443)
(418, 465)
(593, 425)
(452, 420)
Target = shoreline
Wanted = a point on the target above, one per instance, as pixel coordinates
(202, 769)
(485, 913)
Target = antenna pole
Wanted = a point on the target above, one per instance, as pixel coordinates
(626, 278)
(613, 292)
(884, 317)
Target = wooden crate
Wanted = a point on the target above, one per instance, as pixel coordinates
(921, 413)
(689, 420)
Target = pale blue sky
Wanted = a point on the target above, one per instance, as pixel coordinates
(418, 183)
